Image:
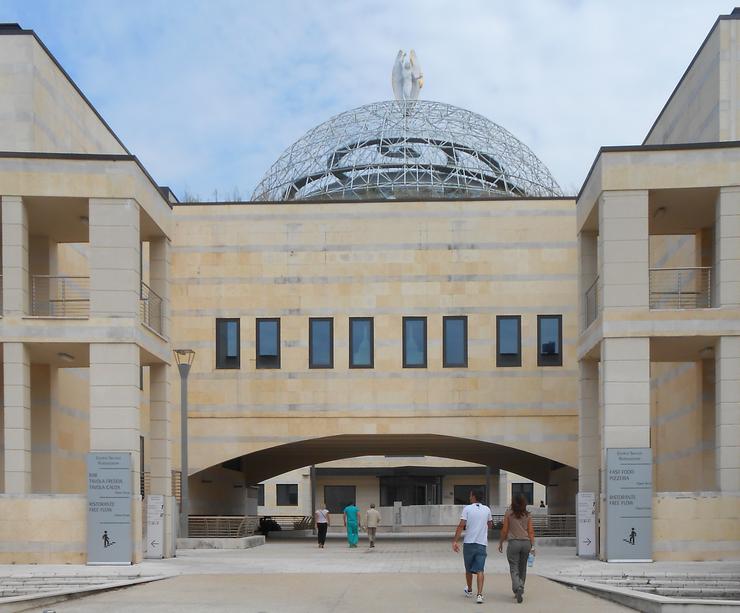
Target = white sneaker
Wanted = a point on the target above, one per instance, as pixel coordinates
(479, 599)
(468, 593)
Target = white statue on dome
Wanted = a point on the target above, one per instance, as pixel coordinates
(407, 78)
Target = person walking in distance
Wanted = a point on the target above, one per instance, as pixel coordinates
(323, 522)
(518, 530)
(476, 519)
(372, 521)
(352, 521)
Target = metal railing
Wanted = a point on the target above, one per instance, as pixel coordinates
(292, 522)
(547, 525)
(681, 288)
(150, 308)
(221, 526)
(57, 296)
(591, 303)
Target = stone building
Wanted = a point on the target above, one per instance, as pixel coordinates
(411, 307)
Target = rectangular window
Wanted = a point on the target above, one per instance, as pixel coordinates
(462, 492)
(361, 342)
(414, 342)
(455, 342)
(261, 495)
(508, 340)
(321, 342)
(287, 494)
(549, 340)
(227, 343)
(337, 497)
(268, 343)
(525, 489)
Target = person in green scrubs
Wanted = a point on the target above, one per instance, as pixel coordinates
(352, 521)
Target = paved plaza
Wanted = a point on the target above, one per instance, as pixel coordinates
(294, 575)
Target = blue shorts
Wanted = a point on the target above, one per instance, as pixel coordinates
(474, 555)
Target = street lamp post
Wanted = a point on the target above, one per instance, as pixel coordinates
(184, 359)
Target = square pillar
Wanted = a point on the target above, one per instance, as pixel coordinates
(15, 256)
(589, 444)
(625, 254)
(115, 258)
(17, 418)
(160, 444)
(159, 266)
(726, 273)
(727, 417)
(625, 371)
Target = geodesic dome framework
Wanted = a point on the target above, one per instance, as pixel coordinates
(406, 149)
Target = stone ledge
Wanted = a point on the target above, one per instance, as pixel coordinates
(648, 603)
(246, 542)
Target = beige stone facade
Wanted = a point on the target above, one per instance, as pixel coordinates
(104, 273)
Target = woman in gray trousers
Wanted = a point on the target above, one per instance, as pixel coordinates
(518, 530)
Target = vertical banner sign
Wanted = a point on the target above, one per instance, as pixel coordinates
(154, 526)
(109, 508)
(586, 524)
(629, 505)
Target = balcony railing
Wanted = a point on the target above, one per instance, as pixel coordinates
(681, 288)
(591, 303)
(150, 308)
(55, 296)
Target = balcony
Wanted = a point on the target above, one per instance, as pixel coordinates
(681, 288)
(56, 296)
(591, 303)
(150, 309)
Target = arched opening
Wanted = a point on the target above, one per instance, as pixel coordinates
(215, 488)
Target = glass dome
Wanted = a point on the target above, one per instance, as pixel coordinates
(406, 149)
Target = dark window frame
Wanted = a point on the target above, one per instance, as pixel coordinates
(238, 360)
(329, 499)
(426, 337)
(261, 495)
(542, 359)
(502, 362)
(464, 319)
(526, 489)
(279, 487)
(311, 363)
(257, 343)
(372, 342)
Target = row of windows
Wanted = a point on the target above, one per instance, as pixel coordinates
(337, 497)
(362, 342)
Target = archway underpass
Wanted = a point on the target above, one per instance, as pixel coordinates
(214, 487)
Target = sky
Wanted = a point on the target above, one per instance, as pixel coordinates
(208, 94)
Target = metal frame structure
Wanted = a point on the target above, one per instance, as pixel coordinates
(406, 149)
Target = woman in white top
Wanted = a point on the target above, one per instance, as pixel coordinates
(322, 523)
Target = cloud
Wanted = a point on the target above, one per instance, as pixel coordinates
(209, 94)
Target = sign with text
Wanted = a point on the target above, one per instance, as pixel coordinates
(629, 504)
(109, 508)
(154, 526)
(586, 524)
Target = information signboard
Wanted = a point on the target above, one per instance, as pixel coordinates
(109, 508)
(154, 526)
(629, 505)
(586, 524)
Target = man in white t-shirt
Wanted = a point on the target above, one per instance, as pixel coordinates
(476, 519)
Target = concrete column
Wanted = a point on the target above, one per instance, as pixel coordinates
(160, 442)
(589, 444)
(726, 273)
(623, 223)
(588, 258)
(625, 364)
(114, 414)
(727, 433)
(17, 418)
(15, 256)
(159, 266)
(115, 248)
